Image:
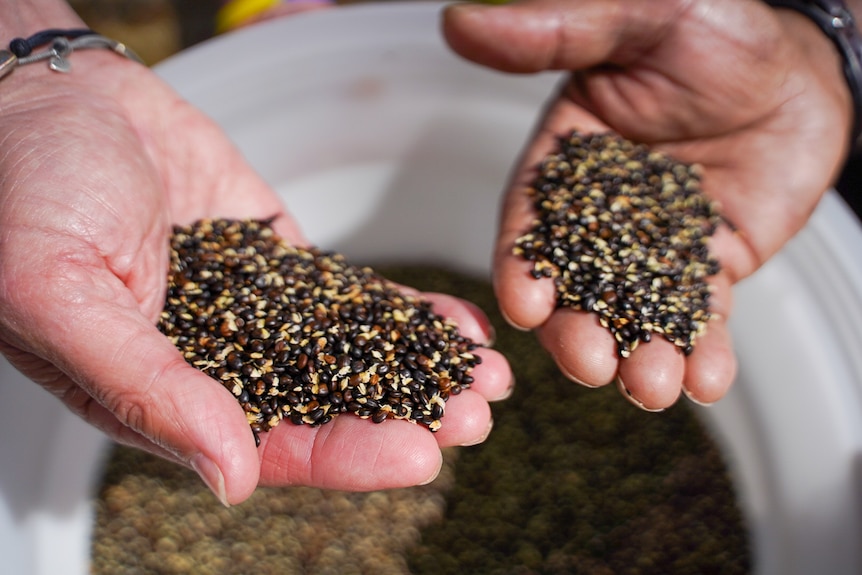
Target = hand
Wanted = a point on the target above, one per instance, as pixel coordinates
(96, 166)
(753, 94)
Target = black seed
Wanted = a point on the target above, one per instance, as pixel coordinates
(622, 230)
(285, 328)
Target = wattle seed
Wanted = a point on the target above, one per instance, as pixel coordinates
(623, 232)
(301, 334)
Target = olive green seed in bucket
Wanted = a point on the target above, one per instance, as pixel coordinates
(623, 232)
(570, 481)
(153, 517)
(303, 335)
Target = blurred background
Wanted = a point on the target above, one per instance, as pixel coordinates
(155, 29)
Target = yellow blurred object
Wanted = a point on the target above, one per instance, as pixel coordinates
(235, 12)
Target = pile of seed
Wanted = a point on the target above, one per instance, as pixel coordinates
(571, 480)
(153, 517)
(623, 232)
(300, 334)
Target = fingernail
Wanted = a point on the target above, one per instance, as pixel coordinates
(509, 321)
(436, 472)
(211, 475)
(484, 436)
(632, 399)
(488, 334)
(571, 377)
(693, 400)
(509, 390)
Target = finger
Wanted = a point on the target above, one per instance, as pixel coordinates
(355, 454)
(525, 37)
(493, 378)
(524, 301)
(584, 351)
(470, 319)
(651, 377)
(85, 406)
(95, 335)
(349, 453)
(711, 368)
(466, 420)
(78, 401)
(153, 392)
(656, 372)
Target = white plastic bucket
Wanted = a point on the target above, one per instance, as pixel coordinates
(388, 147)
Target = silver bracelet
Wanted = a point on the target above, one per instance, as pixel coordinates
(60, 48)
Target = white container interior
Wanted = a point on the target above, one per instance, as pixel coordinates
(388, 147)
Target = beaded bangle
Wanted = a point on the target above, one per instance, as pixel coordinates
(834, 18)
(62, 43)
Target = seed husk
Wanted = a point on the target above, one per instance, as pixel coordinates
(301, 334)
(623, 232)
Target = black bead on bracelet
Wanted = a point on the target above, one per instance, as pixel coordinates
(834, 18)
(23, 47)
(61, 44)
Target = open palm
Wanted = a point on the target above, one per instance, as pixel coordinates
(754, 95)
(96, 167)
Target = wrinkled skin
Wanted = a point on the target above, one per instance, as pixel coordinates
(753, 94)
(95, 167)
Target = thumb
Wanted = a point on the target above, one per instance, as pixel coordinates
(536, 35)
(135, 385)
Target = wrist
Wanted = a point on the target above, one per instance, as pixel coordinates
(63, 64)
(21, 18)
(830, 41)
